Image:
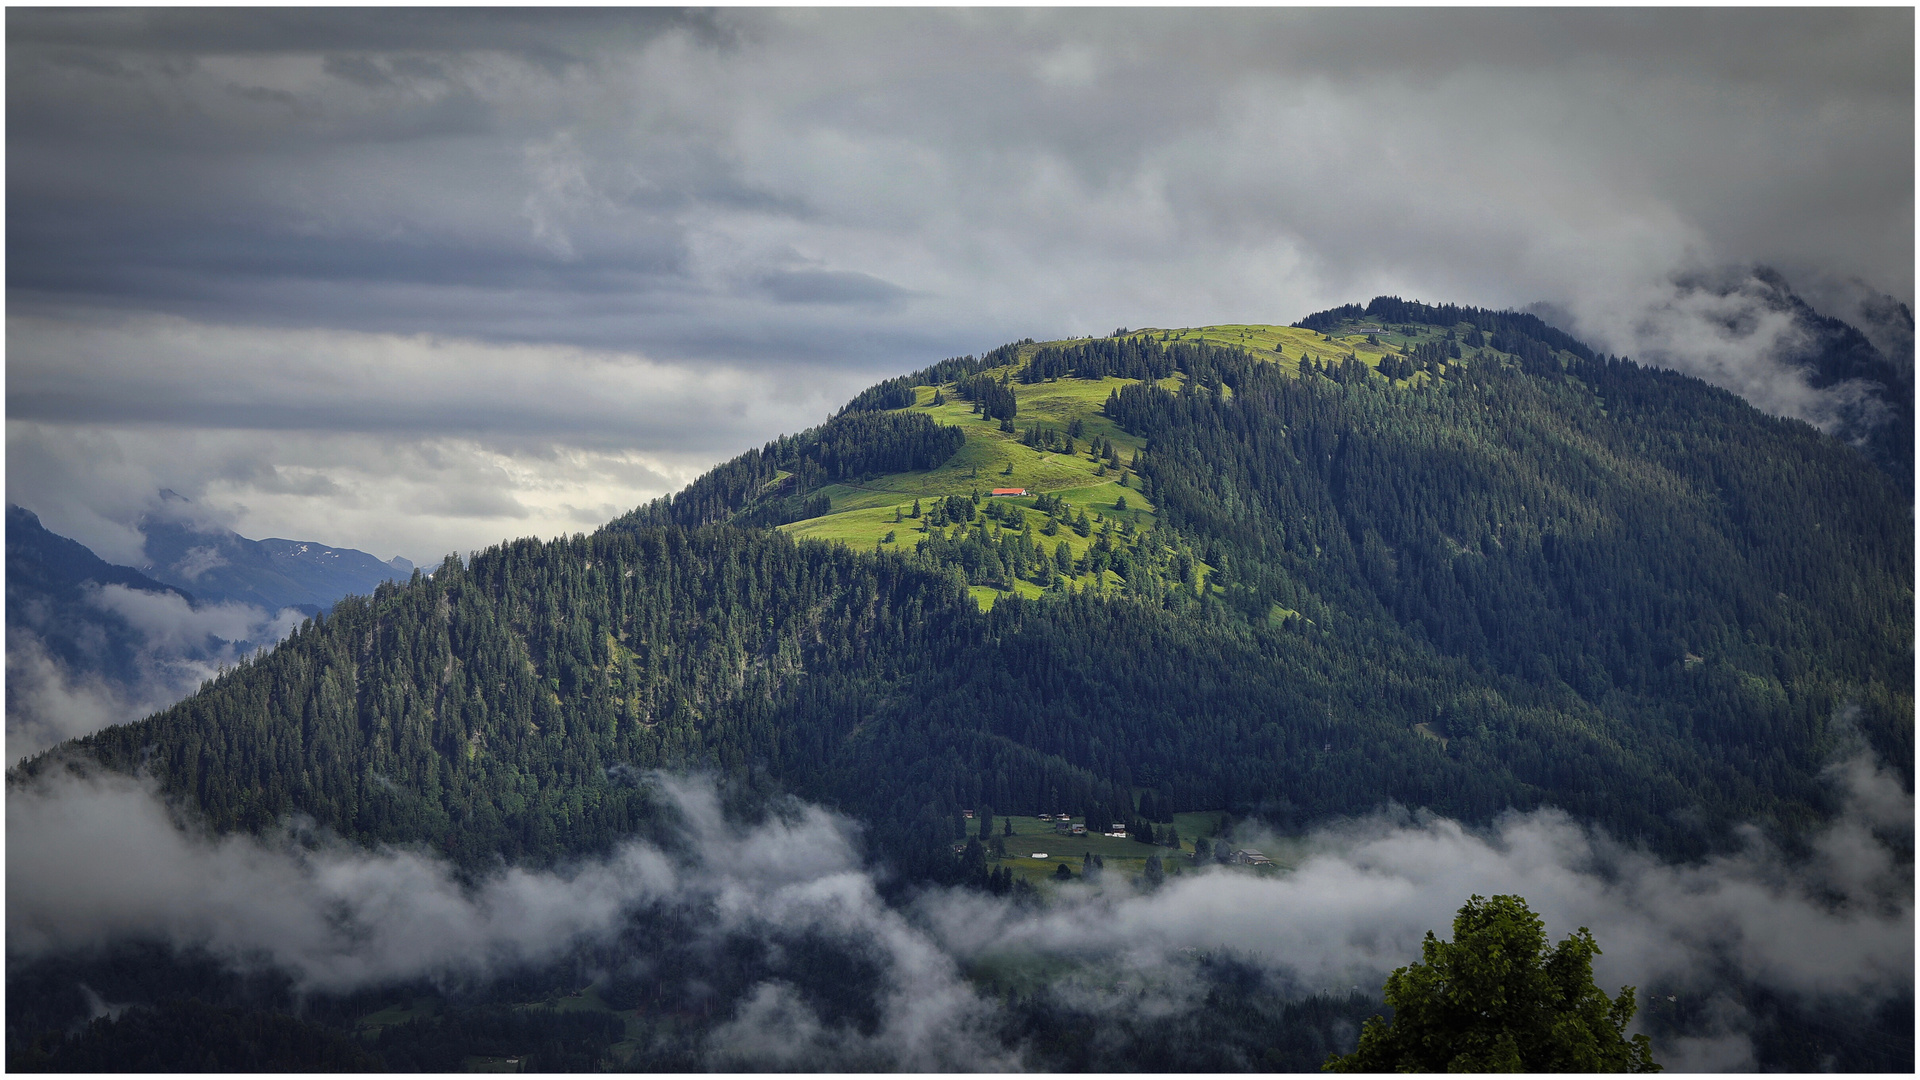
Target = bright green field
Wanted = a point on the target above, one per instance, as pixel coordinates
(861, 515)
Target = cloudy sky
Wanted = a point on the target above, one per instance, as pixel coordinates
(418, 281)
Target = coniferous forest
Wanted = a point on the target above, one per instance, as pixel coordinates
(1492, 570)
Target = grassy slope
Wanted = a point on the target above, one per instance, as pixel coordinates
(861, 515)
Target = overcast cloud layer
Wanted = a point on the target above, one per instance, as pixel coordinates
(416, 281)
(91, 861)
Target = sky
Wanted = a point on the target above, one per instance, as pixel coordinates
(418, 281)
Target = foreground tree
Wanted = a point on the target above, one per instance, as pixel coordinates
(1495, 999)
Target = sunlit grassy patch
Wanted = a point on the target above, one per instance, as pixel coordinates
(861, 514)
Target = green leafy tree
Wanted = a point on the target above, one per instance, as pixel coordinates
(1495, 999)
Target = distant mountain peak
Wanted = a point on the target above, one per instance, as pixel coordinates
(220, 564)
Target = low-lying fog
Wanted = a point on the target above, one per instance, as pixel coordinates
(97, 859)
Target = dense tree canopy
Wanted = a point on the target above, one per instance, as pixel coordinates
(1496, 999)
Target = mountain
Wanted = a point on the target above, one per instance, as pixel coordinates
(41, 562)
(223, 566)
(1439, 556)
(1431, 556)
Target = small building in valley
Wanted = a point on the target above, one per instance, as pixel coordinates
(998, 492)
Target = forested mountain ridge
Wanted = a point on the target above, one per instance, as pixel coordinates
(1286, 571)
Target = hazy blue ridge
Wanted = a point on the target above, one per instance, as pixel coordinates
(271, 574)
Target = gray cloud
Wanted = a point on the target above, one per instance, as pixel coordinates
(1748, 331)
(50, 704)
(177, 647)
(97, 859)
(555, 33)
(410, 444)
(333, 918)
(824, 198)
(172, 626)
(118, 866)
(207, 377)
(829, 287)
(926, 128)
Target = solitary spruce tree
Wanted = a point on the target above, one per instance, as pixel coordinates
(1495, 999)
